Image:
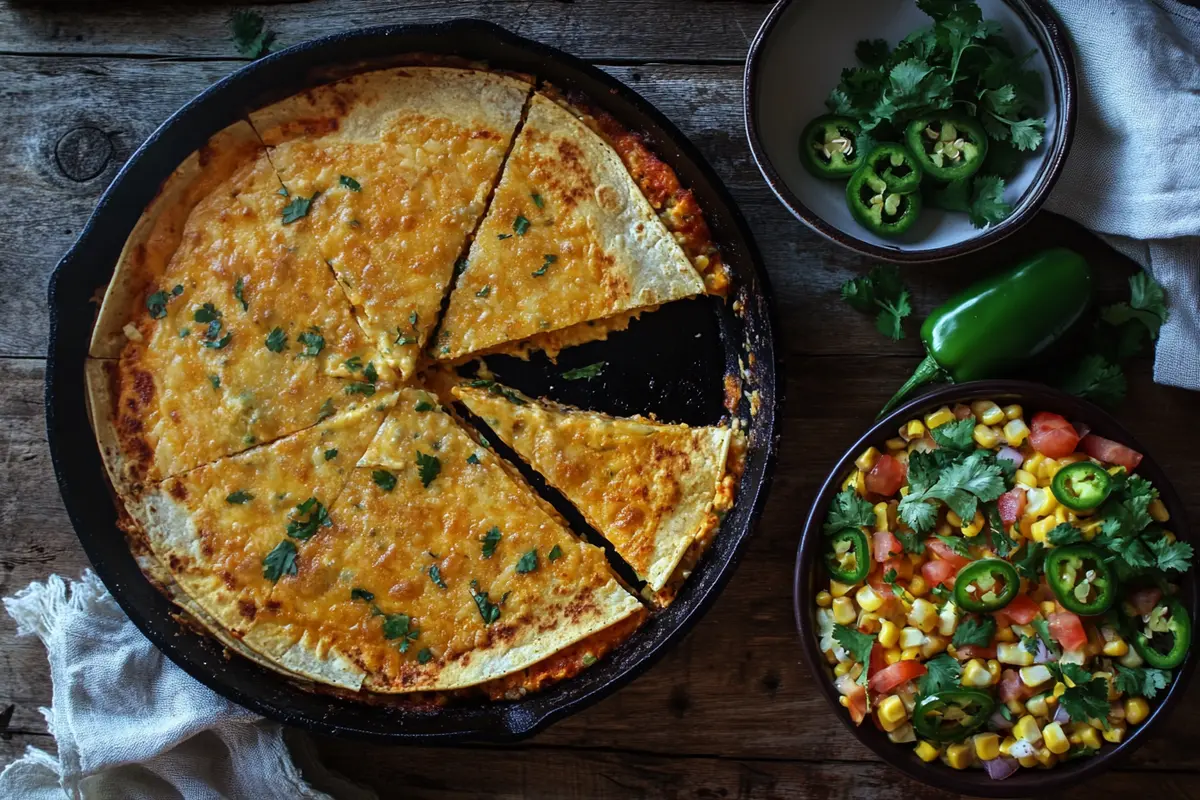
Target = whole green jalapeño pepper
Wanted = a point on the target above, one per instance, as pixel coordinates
(1081, 486)
(951, 715)
(879, 209)
(849, 556)
(948, 146)
(986, 585)
(1002, 321)
(828, 147)
(1169, 625)
(1080, 579)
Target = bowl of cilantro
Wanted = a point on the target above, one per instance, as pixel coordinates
(910, 130)
(994, 590)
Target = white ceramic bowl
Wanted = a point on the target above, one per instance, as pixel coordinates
(797, 58)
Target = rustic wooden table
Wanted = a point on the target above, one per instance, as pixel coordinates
(730, 712)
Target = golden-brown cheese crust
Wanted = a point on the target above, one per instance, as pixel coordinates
(386, 540)
(192, 390)
(422, 149)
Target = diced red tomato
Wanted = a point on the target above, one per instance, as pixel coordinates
(903, 567)
(1067, 629)
(884, 545)
(1052, 436)
(1012, 505)
(1021, 610)
(878, 659)
(939, 570)
(946, 553)
(856, 697)
(976, 651)
(1012, 687)
(1110, 452)
(886, 477)
(1144, 600)
(892, 676)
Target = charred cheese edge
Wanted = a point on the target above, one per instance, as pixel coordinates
(252, 339)
(649, 488)
(401, 163)
(569, 238)
(486, 611)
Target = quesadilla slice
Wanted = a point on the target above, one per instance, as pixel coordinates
(398, 165)
(654, 491)
(441, 570)
(246, 337)
(568, 239)
(227, 530)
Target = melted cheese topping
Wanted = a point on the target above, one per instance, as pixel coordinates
(387, 540)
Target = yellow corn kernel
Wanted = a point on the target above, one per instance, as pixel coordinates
(975, 527)
(923, 615)
(1027, 730)
(892, 654)
(986, 437)
(1037, 706)
(1116, 648)
(1033, 462)
(1114, 734)
(892, 711)
(896, 444)
(1041, 529)
(987, 746)
(1016, 432)
(1026, 478)
(1015, 707)
(824, 599)
(987, 412)
(1073, 458)
(1013, 411)
(842, 668)
(1062, 515)
(913, 429)
(868, 622)
(866, 461)
(994, 668)
(910, 654)
(881, 516)
(1090, 737)
(911, 637)
(1136, 710)
(1045, 757)
(868, 599)
(1006, 745)
(1048, 469)
(1035, 675)
(1015, 654)
(1028, 762)
(1158, 511)
(936, 419)
(954, 519)
(958, 755)
(926, 752)
(889, 634)
(975, 674)
(1005, 634)
(933, 645)
(917, 587)
(843, 610)
(1059, 688)
(839, 589)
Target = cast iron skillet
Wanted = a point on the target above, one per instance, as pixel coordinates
(1033, 397)
(672, 363)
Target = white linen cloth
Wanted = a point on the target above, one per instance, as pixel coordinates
(1133, 173)
(131, 724)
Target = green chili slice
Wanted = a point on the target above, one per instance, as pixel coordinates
(1081, 580)
(947, 146)
(986, 585)
(951, 715)
(1081, 486)
(879, 209)
(895, 166)
(849, 556)
(829, 147)
(1163, 636)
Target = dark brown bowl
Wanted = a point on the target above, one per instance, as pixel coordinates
(794, 61)
(1025, 782)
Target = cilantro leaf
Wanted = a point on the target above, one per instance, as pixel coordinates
(239, 289)
(1063, 534)
(424, 655)
(350, 183)
(276, 340)
(1147, 305)
(313, 342)
(527, 562)
(358, 593)
(331, 454)
(585, 373)
(957, 544)
(489, 611)
(1031, 563)
(435, 575)
(280, 561)
(858, 645)
(1168, 555)
(1088, 698)
(251, 37)
(326, 410)
(911, 542)
(239, 497)
(881, 290)
(1096, 379)
(1026, 134)
(872, 52)
(988, 205)
(298, 208)
(547, 261)
(428, 468)
(318, 517)
(156, 304)
(1142, 681)
(490, 540)
(1002, 543)
(976, 631)
(383, 479)
(958, 435)
(520, 225)
(942, 673)
(555, 553)
(849, 511)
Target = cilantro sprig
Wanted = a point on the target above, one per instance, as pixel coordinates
(880, 290)
(858, 645)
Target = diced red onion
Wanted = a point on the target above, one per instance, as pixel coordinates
(1000, 768)
(1011, 454)
(1061, 716)
(1043, 655)
(999, 722)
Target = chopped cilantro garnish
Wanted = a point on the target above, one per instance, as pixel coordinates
(976, 631)
(331, 454)
(359, 387)
(370, 373)
(585, 373)
(473, 459)
(1088, 698)
(428, 468)
(313, 342)
(280, 561)
(881, 290)
(520, 225)
(239, 288)
(353, 363)
(555, 553)
(326, 410)
(1142, 681)
(350, 183)
(485, 291)
(490, 540)
(383, 479)
(298, 208)
(435, 575)
(527, 562)
(177, 289)
(489, 611)
(1064, 533)
(276, 340)
(318, 517)
(549, 259)
(156, 304)
(215, 380)
(1030, 564)
(858, 645)
(942, 673)
(537, 200)
(424, 405)
(361, 594)
(424, 655)
(250, 35)
(239, 497)
(958, 435)
(849, 511)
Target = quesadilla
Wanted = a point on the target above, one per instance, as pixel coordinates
(568, 239)
(245, 337)
(398, 165)
(227, 530)
(654, 491)
(440, 570)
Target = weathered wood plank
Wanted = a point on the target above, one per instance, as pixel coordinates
(657, 30)
(92, 104)
(735, 686)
